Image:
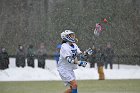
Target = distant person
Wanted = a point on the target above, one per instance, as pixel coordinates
(92, 57)
(57, 53)
(42, 55)
(100, 63)
(109, 55)
(30, 56)
(4, 59)
(20, 56)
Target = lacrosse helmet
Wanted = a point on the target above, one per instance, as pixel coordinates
(66, 36)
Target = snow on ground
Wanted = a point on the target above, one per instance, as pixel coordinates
(50, 72)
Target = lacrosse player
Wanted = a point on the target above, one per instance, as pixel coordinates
(68, 60)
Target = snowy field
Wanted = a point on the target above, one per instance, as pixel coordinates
(50, 72)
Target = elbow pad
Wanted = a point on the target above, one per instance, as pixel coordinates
(70, 59)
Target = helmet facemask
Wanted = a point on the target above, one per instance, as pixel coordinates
(68, 36)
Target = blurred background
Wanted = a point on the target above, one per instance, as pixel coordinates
(25, 22)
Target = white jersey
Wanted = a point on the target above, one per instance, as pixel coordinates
(65, 51)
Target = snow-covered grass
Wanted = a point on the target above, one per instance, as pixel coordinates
(50, 72)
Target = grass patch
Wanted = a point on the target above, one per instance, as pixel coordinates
(84, 86)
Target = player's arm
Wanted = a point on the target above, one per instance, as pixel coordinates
(75, 61)
(83, 57)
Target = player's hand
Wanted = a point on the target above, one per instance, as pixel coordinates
(89, 51)
(82, 63)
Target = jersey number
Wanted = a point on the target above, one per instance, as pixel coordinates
(74, 53)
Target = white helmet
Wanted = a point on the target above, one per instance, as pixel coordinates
(65, 36)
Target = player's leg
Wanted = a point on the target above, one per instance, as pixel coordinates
(73, 84)
(69, 90)
(73, 87)
(69, 78)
